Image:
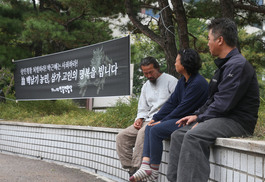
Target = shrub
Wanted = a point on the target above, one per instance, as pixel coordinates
(65, 112)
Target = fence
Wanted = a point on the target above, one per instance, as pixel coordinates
(94, 149)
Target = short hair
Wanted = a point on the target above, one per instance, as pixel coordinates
(149, 60)
(190, 60)
(226, 28)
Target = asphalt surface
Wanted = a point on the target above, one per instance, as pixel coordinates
(15, 168)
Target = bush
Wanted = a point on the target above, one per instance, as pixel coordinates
(260, 127)
(35, 111)
(6, 81)
(66, 112)
(120, 116)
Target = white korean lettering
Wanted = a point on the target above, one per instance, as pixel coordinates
(114, 68)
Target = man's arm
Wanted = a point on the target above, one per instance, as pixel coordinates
(194, 97)
(234, 84)
(143, 107)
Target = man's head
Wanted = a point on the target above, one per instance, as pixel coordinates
(222, 32)
(190, 60)
(150, 68)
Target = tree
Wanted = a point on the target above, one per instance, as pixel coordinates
(62, 24)
(30, 29)
(175, 20)
(165, 36)
(252, 48)
(11, 26)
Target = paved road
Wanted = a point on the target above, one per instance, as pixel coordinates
(21, 169)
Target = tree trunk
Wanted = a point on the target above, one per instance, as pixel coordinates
(38, 48)
(37, 45)
(228, 11)
(143, 28)
(166, 39)
(167, 31)
(227, 8)
(181, 19)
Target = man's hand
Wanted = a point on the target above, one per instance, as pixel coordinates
(138, 123)
(153, 123)
(186, 120)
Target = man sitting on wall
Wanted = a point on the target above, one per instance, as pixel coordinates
(154, 94)
(230, 111)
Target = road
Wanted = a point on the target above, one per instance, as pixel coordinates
(15, 168)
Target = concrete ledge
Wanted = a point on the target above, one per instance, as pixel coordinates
(247, 145)
(74, 127)
(94, 149)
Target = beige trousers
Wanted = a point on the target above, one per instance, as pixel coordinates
(129, 143)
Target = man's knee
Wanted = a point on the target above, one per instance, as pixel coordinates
(155, 130)
(142, 131)
(120, 136)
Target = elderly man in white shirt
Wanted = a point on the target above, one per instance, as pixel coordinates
(155, 92)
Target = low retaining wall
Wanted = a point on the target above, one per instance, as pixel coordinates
(94, 148)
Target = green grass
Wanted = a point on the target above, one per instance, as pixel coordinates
(66, 112)
(260, 127)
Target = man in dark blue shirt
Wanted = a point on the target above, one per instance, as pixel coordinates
(230, 111)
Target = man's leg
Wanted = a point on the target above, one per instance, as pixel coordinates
(159, 133)
(146, 146)
(125, 142)
(153, 148)
(194, 155)
(174, 151)
(138, 149)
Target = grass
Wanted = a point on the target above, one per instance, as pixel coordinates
(66, 112)
(260, 127)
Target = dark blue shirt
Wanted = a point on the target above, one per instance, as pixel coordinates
(187, 98)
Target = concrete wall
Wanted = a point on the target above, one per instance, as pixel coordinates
(232, 160)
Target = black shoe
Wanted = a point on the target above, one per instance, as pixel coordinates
(131, 172)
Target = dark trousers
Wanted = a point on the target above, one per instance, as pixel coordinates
(190, 148)
(153, 139)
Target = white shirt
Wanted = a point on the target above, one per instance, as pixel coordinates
(153, 96)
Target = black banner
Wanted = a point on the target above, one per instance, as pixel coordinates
(93, 71)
